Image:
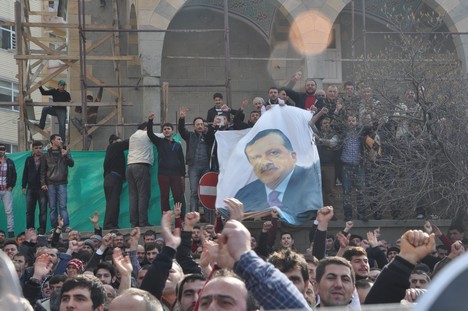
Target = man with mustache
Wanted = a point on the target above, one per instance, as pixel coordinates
(281, 183)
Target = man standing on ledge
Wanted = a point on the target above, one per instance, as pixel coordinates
(140, 161)
(32, 189)
(198, 154)
(7, 182)
(58, 95)
(114, 177)
(171, 165)
(54, 179)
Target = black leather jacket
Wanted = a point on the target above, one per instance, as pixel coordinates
(53, 171)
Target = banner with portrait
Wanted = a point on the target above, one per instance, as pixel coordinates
(273, 165)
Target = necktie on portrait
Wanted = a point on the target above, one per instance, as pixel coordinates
(273, 199)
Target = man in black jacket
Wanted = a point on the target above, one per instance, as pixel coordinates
(54, 179)
(31, 185)
(7, 182)
(58, 95)
(199, 143)
(114, 177)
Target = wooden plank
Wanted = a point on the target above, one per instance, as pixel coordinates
(64, 104)
(76, 58)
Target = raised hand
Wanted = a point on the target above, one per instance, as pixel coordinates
(235, 207)
(372, 239)
(415, 245)
(348, 226)
(191, 219)
(171, 240)
(456, 249)
(151, 116)
(343, 240)
(183, 112)
(134, 238)
(122, 263)
(267, 225)
(236, 238)
(42, 266)
(177, 209)
(95, 218)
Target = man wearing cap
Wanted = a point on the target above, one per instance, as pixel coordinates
(7, 182)
(114, 177)
(58, 95)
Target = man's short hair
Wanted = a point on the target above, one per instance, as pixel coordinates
(310, 79)
(89, 97)
(167, 124)
(189, 278)
(364, 284)
(217, 95)
(57, 279)
(333, 260)
(37, 143)
(273, 88)
(151, 303)
(143, 125)
(105, 265)
(286, 142)
(151, 246)
(150, 232)
(113, 138)
(348, 83)
(354, 251)
(287, 260)
(53, 137)
(311, 259)
(90, 282)
(457, 226)
(198, 118)
(10, 242)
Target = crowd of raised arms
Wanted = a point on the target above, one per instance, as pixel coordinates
(190, 266)
(215, 263)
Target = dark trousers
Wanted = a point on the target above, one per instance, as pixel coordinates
(173, 183)
(60, 113)
(139, 192)
(34, 197)
(112, 189)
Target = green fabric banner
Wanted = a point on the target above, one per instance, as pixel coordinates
(85, 193)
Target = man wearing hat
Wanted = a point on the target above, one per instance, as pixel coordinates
(7, 182)
(58, 95)
(114, 177)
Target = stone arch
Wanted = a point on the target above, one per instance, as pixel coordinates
(159, 15)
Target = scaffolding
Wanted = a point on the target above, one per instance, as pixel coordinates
(32, 62)
(73, 53)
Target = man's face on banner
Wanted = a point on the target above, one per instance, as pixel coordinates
(271, 160)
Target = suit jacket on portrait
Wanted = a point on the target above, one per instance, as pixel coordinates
(301, 200)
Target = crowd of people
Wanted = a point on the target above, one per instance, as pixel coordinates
(196, 264)
(190, 266)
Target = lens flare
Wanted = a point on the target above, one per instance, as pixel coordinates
(310, 33)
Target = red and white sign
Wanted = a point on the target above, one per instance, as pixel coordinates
(207, 189)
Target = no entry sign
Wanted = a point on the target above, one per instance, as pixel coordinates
(207, 189)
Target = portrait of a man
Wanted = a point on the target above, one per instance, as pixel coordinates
(281, 183)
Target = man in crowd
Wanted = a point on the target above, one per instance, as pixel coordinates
(7, 183)
(171, 166)
(198, 153)
(216, 110)
(114, 177)
(31, 185)
(335, 277)
(84, 293)
(58, 95)
(140, 161)
(54, 179)
(304, 100)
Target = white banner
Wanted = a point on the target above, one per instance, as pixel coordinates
(277, 155)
